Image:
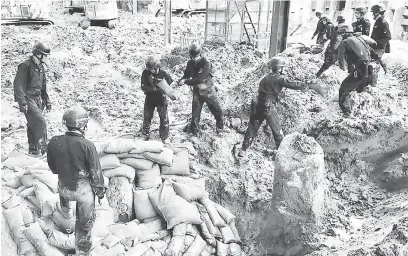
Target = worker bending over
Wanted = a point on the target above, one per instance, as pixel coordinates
(362, 25)
(76, 162)
(30, 92)
(357, 54)
(269, 89)
(198, 74)
(155, 98)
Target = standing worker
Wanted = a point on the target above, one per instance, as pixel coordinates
(329, 58)
(30, 92)
(320, 28)
(76, 162)
(381, 34)
(362, 25)
(155, 98)
(198, 74)
(357, 54)
(264, 109)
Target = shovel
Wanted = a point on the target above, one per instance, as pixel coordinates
(319, 88)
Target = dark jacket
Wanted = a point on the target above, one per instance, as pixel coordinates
(355, 52)
(271, 86)
(73, 157)
(381, 33)
(31, 81)
(362, 25)
(198, 73)
(149, 81)
(320, 27)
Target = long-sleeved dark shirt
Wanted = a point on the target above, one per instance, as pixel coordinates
(362, 25)
(30, 80)
(271, 86)
(381, 33)
(73, 157)
(149, 81)
(320, 27)
(198, 73)
(354, 51)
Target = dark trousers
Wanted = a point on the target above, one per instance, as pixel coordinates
(355, 81)
(328, 61)
(213, 104)
(380, 53)
(85, 212)
(263, 111)
(36, 126)
(158, 101)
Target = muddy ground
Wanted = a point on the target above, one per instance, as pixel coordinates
(366, 212)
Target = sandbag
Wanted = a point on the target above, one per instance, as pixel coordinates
(27, 192)
(180, 229)
(211, 250)
(19, 159)
(123, 170)
(199, 183)
(185, 145)
(104, 218)
(110, 240)
(118, 146)
(212, 211)
(48, 178)
(138, 163)
(128, 155)
(142, 146)
(368, 40)
(142, 205)
(39, 240)
(165, 157)
(11, 202)
(44, 194)
(180, 165)
(154, 237)
(61, 240)
(13, 181)
(176, 244)
(66, 225)
(100, 146)
(33, 200)
(40, 165)
(161, 196)
(28, 217)
(335, 96)
(167, 89)
(225, 214)
(151, 219)
(196, 247)
(137, 250)
(135, 229)
(189, 192)
(227, 235)
(151, 252)
(206, 218)
(109, 161)
(120, 197)
(191, 230)
(205, 233)
(188, 240)
(118, 249)
(27, 180)
(234, 249)
(147, 179)
(18, 190)
(222, 249)
(235, 231)
(46, 224)
(180, 211)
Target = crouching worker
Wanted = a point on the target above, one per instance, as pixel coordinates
(269, 89)
(155, 98)
(76, 162)
(198, 74)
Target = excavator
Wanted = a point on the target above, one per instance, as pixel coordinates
(15, 12)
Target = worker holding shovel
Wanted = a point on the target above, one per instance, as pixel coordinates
(80, 178)
(264, 107)
(30, 92)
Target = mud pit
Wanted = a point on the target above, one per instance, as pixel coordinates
(363, 211)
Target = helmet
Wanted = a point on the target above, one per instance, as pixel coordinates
(152, 62)
(361, 9)
(325, 18)
(75, 117)
(344, 28)
(318, 12)
(378, 8)
(194, 49)
(340, 18)
(276, 62)
(40, 48)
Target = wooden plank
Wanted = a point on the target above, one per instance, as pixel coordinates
(279, 29)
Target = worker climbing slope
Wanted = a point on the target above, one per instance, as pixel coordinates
(30, 92)
(362, 25)
(331, 34)
(198, 74)
(264, 107)
(76, 162)
(155, 98)
(320, 29)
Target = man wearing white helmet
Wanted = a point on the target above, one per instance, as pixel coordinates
(80, 179)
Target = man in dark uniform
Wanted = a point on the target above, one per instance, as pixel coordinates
(357, 54)
(320, 29)
(381, 34)
(30, 92)
(269, 89)
(76, 162)
(329, 58)
(340, 20)
(155, 98)
(198, 74)
(362, 25)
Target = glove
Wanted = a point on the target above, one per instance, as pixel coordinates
(48, 106)
(24, 109)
